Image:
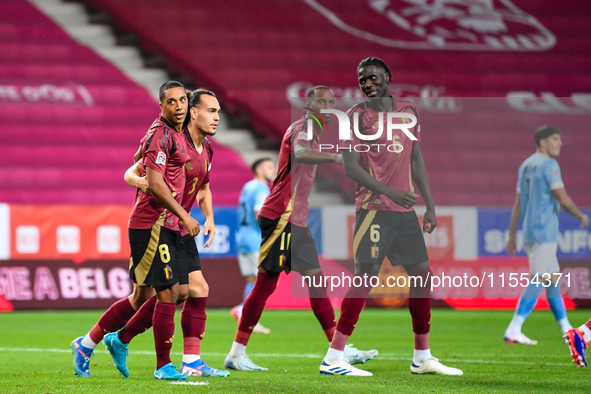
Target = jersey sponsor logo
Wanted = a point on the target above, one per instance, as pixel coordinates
(469, 25)
(161, 158)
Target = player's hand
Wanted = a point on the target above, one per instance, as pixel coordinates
(191, 225)
(338, 159)
(584, 221)
(209, 229)
(403, 198)
(142, 184)
(511, 246)
(429, 221)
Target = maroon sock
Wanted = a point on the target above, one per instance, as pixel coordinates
(112, 320)
(254, 304)
(588, 324)
(140, 322)
(163, 331)
(193, 320)
(352, 306)
(419, 303)
(340, 341)
(322, 308)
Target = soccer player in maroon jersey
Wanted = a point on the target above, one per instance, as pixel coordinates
(203, 120)
(578, 340)
(281, 215)
(153, 235)
(386, 223)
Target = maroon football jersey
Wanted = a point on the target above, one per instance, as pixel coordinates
(292, 187)
(164, 150)
(392, 166)
(196, 171)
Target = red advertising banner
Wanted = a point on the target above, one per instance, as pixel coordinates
(69, 232)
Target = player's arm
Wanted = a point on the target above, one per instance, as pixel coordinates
(305, 154)
(569, 206)
(205, 202)
(158, 187)
(133, 177)
(138, 155)
(363, 178)
(419, 176)
(515, 217)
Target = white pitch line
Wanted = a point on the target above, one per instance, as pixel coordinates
(385, 357)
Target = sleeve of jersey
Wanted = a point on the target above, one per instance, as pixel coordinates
(259, 198)
(156, 156)
(300, 136)
(519, 176)
(346, 144)
(552, 175)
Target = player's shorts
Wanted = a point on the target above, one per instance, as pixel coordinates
(189, 259)
(249, 263)
(542, 258)
(154, 256)
(276, 253)
(396, 235)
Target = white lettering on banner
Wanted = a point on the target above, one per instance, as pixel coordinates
(15, 283)
(89, 283)
(108, 239)
(69, 283)
(45, 284)
(86, 280)
(220, 244)
(85, 283)
(73, 94)
(27, 239)
(68, 239)
(547, 102)
(119, 284)
(495, 241)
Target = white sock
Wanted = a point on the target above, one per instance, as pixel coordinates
(190, 358)
(334, 355)
(237, 350)
(515, 325)
(564, 324)
(87, 342)
(421, 356)
(586, 333)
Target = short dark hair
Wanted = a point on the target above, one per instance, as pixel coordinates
(313, 90)
(375, 61)
(544, 132)
(195, 96)
(258, 162)
(168, 85)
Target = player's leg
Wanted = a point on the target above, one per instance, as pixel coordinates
(121, 311)
(193, 319)
(367, 264)
(163, 328)
(273, 259)
(553, 294)
(248, 263)
(409, 250)
(528, 298)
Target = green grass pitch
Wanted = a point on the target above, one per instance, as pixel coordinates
(35, 358)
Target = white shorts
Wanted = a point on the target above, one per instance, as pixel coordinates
(542, 258)
(249, 263)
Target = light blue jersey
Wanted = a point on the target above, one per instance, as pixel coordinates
(538, 176)
(252, 197)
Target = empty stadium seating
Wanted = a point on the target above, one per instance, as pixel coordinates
(251, 52)
(71, 121)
